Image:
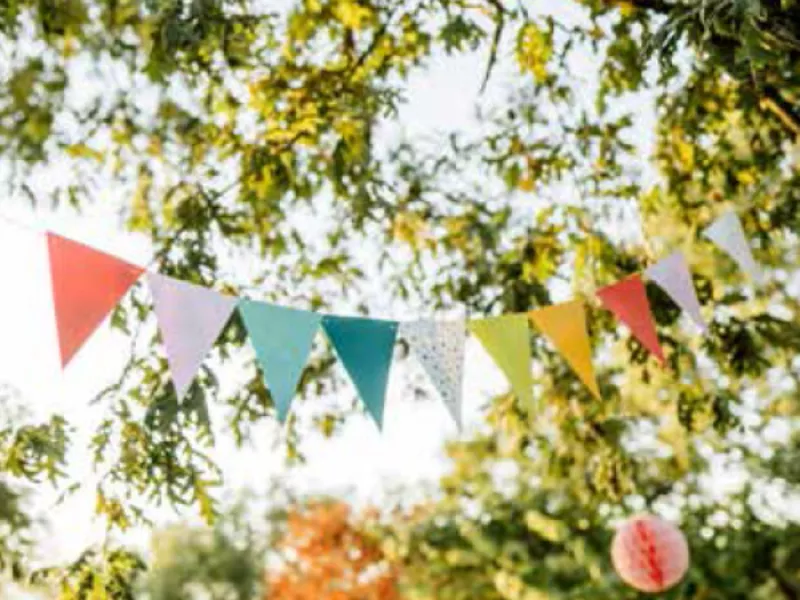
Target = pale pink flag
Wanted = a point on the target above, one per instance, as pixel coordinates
(672, 275)
(727, 233)
(191, 318)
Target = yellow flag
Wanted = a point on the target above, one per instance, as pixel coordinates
(507, 340)
(565, 326)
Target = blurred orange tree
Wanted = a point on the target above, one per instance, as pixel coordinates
(327, 553)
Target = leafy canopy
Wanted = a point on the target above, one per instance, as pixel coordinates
(227, 127)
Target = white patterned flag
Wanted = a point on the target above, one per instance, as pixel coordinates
(439, 348)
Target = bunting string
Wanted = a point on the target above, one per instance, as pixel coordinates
(87, 284)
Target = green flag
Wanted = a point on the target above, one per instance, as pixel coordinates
(507, 340)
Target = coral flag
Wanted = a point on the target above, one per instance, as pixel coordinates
(628, 300)
(282, 338)
(439, 348)
(191, 318)
(565, 326)
(672, 275)
(728, 234)
(87, 285)
(365, 347)
(507, 340)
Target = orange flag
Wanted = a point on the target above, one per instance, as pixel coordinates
(565, 326)
(628, 300)
(87, 285)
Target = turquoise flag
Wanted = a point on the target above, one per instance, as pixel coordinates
(365, 348)
(282, 338)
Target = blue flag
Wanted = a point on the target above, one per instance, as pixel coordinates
(282, 338)
(365, 347)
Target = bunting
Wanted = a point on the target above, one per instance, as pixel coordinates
(672, 275)
(627, 299)
(87, 285)
(365, 348)
(439, 348)
(191, 318)
(565, 326)
(282, 338)
(507, 340)
(728, 234)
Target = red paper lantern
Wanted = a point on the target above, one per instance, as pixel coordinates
(650, 554)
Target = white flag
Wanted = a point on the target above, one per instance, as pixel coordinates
(727, 233)
(672, 275)
(191, 318)
(439, 348)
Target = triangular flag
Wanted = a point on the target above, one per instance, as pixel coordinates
(365, 347)
(282, 338)
(565, 326)
(507, 340)
(672, 275)
(191, 318)
(728, 234)
(628, 300)
(87, 285)
(439, 348)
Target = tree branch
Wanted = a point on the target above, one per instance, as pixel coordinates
(787, 587)
(772, 101)
(659, 6)
(500, 11)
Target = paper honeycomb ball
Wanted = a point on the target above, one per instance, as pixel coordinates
(650, 554)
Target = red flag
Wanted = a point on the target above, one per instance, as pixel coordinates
(628, 300)
(87, 285)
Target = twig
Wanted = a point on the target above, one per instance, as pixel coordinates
(772, 101)
(659, 6)
(500, 19)
(788, 588)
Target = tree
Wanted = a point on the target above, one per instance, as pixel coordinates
(222, 562)
(519, 540)
(326, 553)
(29, 451)
(757, 43)
(219, 122)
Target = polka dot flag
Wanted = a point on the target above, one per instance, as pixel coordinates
(439, 348)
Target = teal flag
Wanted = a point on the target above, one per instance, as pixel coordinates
(365, 347)
(282, 338)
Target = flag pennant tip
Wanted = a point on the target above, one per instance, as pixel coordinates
(507, 340)
(627, 299)
(191, 318)
(87, 285)
(365, 347)
(672, 275)
(564, 325)
(282, 338)
(439, 348)
(727, 233)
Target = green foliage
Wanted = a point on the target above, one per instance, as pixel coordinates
(542, 542)
(221, 563)
(26, 452)
(15, 532)
(107, 574)
(221, 125)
